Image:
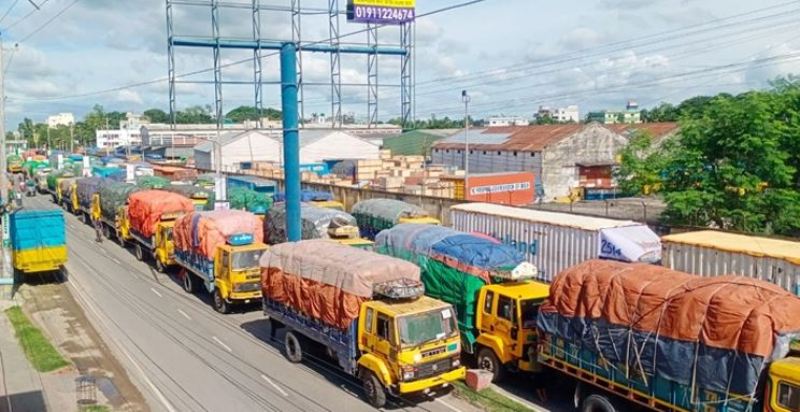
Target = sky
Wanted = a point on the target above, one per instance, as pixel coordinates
(512, 56)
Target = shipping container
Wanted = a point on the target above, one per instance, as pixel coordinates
(512, 188)
(555, 241)
(714, 253)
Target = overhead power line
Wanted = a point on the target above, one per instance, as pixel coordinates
(50, 20)
(26, 16)
(11, 7)
(207, 70)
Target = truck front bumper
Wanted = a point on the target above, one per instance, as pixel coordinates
(244, 297)
(432, 382)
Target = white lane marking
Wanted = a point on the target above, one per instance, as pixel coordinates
(184, 314)
(77, 290)
(156, 292)
(221, 343)
(116, 260)
(277, 388)
(105, 252)
(451, 407)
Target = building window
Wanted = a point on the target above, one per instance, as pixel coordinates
(447, 151)
(498, 153)
(470, 152)
(533, 154)
(484, 152)
(459, 152)
(515, 154)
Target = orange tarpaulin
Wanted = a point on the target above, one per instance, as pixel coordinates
(203, 232)
(725, 312)
(146, 208)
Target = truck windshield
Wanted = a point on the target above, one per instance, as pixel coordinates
(426, 327)
(246, 260)
(529, 309)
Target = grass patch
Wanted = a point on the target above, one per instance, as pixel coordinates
(487, 399)
(40, 353)
(95, 408)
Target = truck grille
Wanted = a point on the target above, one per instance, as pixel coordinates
(433, 368)
(247, 287)
(433, 352)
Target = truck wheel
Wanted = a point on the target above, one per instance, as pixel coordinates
(188, 281)
(160, 266)
(220, 305)
(293, 347)
(139, 251)
(488, 361)
(597, 403)
(373, 390)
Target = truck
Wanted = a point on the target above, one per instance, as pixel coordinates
(632, 336)
(14, 164)
(317, 223)
(218, 251)
(488, 283)
(374, 215)
(541, 235)
(38, 241)
(257, 184)
(110, 206)
(203, 199)
(41, 179)
(150, 219)
(53, 181)
(316, 198)
(376, 323)
(250, 200)
(83, 194)
(714, 253)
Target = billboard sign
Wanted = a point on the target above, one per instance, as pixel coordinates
(381, 11)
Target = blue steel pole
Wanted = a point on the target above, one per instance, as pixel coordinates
(291, 140)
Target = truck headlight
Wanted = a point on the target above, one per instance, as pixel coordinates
(456, 362)
(408, 372)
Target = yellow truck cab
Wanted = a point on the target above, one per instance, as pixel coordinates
(66, 203)
(73, 200)
(783, 386)
(163, 245)
(328, 204)
(506, 322)
(403, 360)
(123, 226)
(233, 277)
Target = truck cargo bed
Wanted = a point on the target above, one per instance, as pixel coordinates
(342, 343)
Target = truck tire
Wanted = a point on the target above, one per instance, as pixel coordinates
(597, 403)
(373, 389)
(293, 346)
(488, 361)
(160, 268)
(188, 282)
(220, 304)
(139, 252)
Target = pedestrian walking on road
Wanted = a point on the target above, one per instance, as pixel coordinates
(98, 228)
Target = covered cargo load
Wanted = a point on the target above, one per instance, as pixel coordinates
(306, 196)
(113, 196)
(151, 182)
(53, 177)
(316, 222)
(374, 215)
(684, 339)
(114, 173)
(86, 187)
(146, 209)
(455, 265)
(203, 232)
(714, 253)
(195, 193)
(249, 200)
(328, 281)
(541, 236)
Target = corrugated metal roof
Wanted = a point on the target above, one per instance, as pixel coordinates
(416, 142)
(518, 138)
(553, 218)
(307, 137)
(479, 136)
(732, 242)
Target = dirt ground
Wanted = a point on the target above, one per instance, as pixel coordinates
(51, 306)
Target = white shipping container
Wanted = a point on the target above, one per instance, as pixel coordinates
(555, 241)
(713, 253)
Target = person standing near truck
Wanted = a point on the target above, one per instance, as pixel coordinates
(98, 230)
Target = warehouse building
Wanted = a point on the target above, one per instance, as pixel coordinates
(562, 157)
(266, 146)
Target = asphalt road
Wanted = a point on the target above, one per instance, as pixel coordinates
(186, 357)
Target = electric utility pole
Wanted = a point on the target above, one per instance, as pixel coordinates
(3, 165)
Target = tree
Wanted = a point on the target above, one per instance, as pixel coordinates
(242, 113)
(157, 115)
(194, 115)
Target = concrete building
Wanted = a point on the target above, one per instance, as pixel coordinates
(569, 114)
(61, 119)
(562, 157)
(259, 146)
(505, 121)
(631, 115)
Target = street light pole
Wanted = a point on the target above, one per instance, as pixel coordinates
(466, 99)
(3, 165)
